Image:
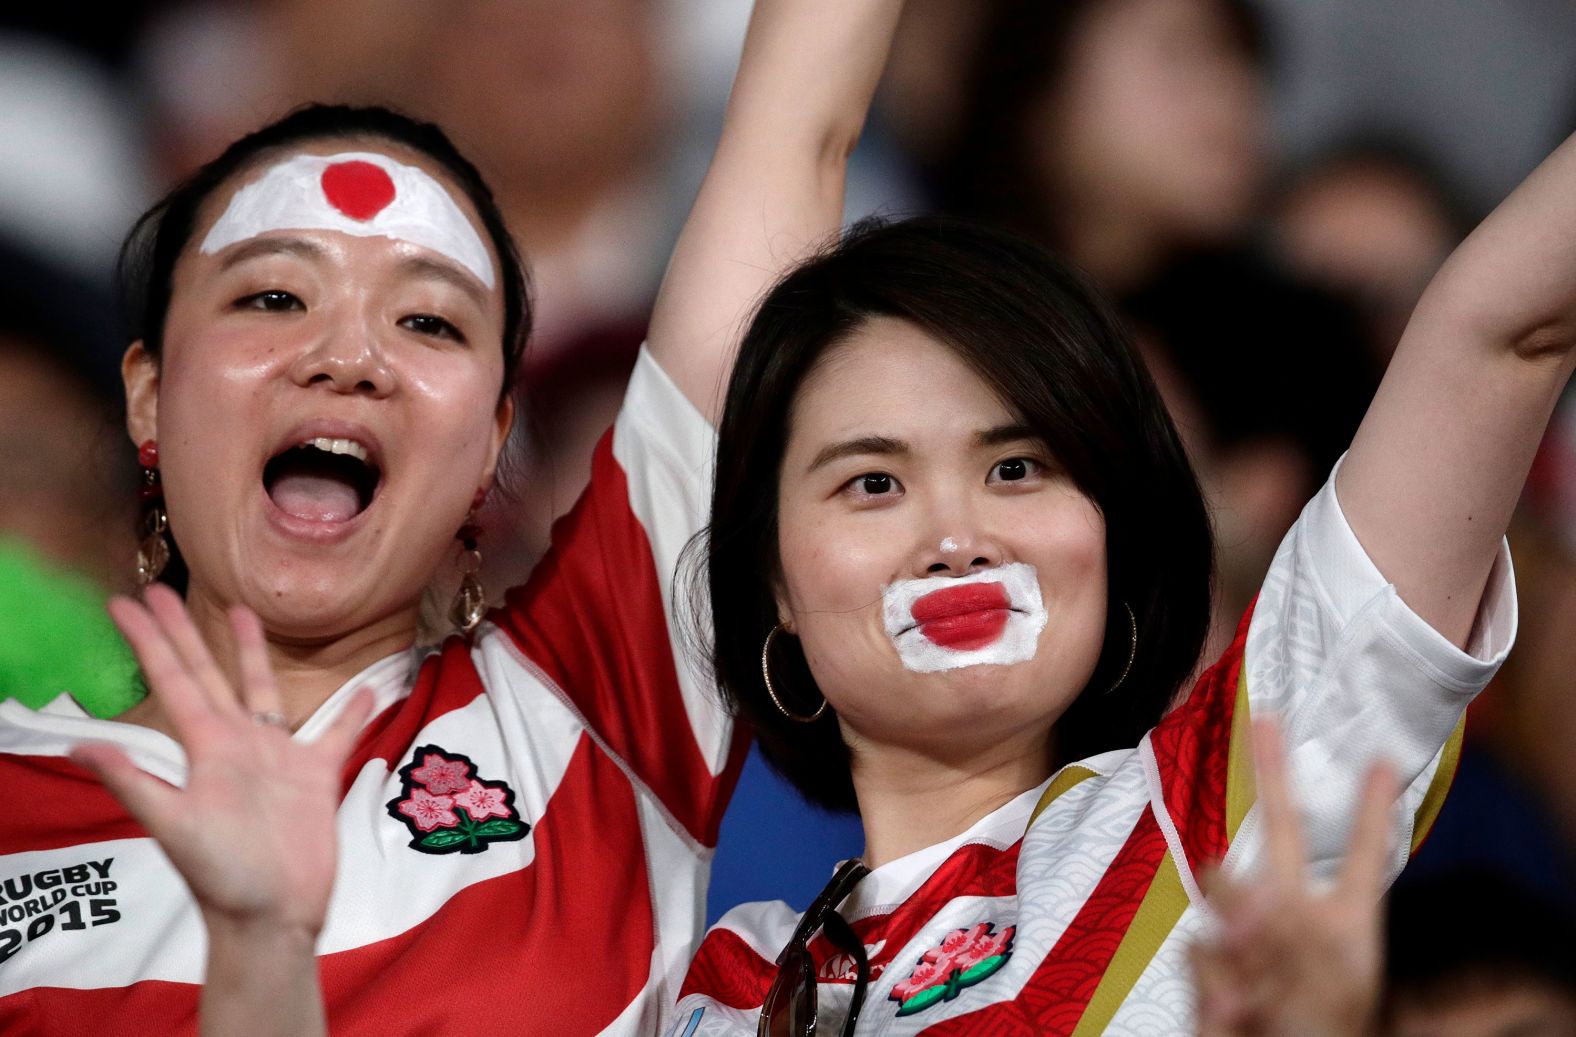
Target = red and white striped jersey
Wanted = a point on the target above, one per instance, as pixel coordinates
(527, 822)
(1068, 910)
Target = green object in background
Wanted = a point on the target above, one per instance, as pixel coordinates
(56, 637)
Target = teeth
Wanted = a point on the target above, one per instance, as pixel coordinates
(339, 446)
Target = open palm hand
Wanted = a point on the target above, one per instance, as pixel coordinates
(253, 829)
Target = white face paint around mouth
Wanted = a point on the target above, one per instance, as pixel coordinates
(356, 192)
(992, 617)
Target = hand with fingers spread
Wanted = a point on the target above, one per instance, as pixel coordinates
(1289, 961)
(253, 829)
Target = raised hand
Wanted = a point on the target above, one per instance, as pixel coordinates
(1288, 961)
(253, 830)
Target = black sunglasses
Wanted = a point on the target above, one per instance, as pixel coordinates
(790, 1007)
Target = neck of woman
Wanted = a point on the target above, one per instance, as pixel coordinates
(914, 797)
(306, 673)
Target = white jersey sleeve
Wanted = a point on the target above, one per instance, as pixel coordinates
(1352, 674)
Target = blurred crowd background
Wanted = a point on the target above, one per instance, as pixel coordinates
(1262, 186)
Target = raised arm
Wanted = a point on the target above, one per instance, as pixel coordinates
(1439, 462)
(774, 191)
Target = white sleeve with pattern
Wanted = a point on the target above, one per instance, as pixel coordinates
(1354, 675)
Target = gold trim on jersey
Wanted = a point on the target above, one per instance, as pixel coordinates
(1157, 915)
(1066, 778)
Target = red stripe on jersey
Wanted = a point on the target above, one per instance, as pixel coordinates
(727, 970)
(51, 803)
(974, 870)
(1192, 747)
(1054, 998)
(562, 946)
(447, 681)
(152, 1006)
(592, 617)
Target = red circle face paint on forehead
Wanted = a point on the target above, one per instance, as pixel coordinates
(358, 189)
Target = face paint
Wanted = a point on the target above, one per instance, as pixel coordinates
(359, 193)
(948, 545)
(988, 618)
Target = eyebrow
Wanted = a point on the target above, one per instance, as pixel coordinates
(879, 445)
(271, 247)
(421, 266)
(1005, 434)
(886, 446)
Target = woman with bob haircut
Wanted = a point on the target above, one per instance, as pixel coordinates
(327, 318)
(958, 570)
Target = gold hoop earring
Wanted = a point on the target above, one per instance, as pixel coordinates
(470, 600)
(766, 673)
(1132, 649)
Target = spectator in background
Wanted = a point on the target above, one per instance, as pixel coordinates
(1372, 221)
(1475, 955)
(1267, 380)
(920, 103)
(211, 71)
(1118, 130)
(65, 532)
(567, 109)
(1131, 136)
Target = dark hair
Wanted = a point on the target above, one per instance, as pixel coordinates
(1455, 933)
(1037, 334)
(1019, 60)
(146, 268)
(156, 241)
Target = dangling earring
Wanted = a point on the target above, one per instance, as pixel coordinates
(153, 551)
(1132, 648)
(470, 601)
(766, 672)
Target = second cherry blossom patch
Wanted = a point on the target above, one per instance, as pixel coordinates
(965, 957)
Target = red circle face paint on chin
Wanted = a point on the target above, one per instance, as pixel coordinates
(358, 189)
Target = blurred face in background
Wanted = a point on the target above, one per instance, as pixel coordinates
(65, 486)
(1371, 228)
(547, 93)
(1159, 117)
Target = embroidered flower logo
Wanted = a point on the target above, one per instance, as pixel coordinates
(448, 809)
(964, 958)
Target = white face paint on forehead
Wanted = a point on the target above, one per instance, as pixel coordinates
(355, 192)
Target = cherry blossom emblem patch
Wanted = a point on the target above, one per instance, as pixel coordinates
(449, 809)
(964, 958)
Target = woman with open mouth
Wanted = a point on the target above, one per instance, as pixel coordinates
(328, 320)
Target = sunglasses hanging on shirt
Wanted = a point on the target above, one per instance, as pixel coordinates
(790, 1008)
